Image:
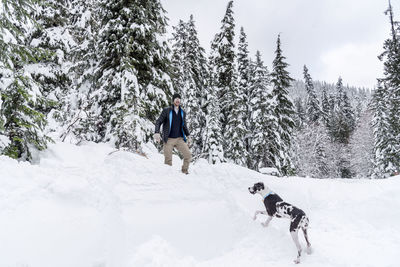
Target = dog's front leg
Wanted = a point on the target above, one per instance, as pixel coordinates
(265, 224)
(258, 212)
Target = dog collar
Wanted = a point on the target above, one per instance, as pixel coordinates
(269, 193)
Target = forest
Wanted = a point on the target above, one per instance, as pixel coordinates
(103, 70)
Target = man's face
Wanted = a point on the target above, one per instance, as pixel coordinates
(177, 102)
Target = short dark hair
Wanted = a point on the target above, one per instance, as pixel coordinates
(176, 95)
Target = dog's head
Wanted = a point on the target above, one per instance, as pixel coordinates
(256, 188)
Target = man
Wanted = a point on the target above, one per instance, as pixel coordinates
(175, 131)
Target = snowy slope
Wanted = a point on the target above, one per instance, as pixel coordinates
(82, 206)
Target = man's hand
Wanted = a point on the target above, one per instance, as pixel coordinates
(190, 141)
(157, 137)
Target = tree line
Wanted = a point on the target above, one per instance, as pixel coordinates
(102, 70)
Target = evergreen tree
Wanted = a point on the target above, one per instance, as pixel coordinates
(52, 73)
(358, 110)
(243, 63)
(21, 119)
(53, 17)
(311, 147)
(235, 130)
(150, 56)
(131, 65)
(325, 109)
(341, 125)
(391, 82)
(343, 122)
(179, 64)
(244, 83)
(76, 116)
(321, 158)
(129, 124)
(189, 78)
(283, 110)
(222, 63)
(213, 149)
(300, 114)
(361, 147)
(195, 105)
(312, 104)
(197, 57)
(331, 121)
(264, 145)
(342, 161)
(383, 165)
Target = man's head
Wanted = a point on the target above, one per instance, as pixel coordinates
(257, 187)
(176, 99)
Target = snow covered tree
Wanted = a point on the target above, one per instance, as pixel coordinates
(283, 110)
(222, 63)
(179, 44)
(190, 78)
(54, 36)
(361, 147)
(343, 122)
(75, 116)
(244, 85)
(383, 166)
(22, 101)
(340, 160)
(312, 104)
(264, 141)
(388, 158)
(213, 149)
(340, 126)
(150, 56)
(195, 104)
(325, 106)
(132, 61)
(235, 130)
(130, 125)
(311, 147)
(300, 114)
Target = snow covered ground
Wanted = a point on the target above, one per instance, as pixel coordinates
(84, 207)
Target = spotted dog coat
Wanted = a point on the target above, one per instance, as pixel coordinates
(277, 207)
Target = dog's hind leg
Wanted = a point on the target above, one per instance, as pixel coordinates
(304, 225)
(309, 250)
(295, 238)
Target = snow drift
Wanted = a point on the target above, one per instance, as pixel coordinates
(89, 206)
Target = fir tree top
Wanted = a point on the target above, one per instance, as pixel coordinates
(280, 76)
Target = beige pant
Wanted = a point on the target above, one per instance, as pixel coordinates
(182, 147)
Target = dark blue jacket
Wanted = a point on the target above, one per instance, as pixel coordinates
(166, 120)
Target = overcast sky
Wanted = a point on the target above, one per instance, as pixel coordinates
(332, 37)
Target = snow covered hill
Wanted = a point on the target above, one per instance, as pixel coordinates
(83, 206)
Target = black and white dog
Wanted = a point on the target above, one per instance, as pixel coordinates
(276, 207)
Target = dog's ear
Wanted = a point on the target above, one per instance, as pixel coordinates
(259, 186)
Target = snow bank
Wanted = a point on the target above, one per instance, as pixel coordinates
(90, 206)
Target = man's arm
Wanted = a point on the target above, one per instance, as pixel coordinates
(160, 120)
